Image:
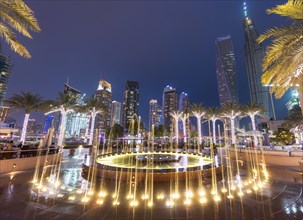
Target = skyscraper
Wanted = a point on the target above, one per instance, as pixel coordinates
(184, 107)
(75, 121)
(155, 113)
(104, 96)
(116, 113)
(5, 66)
(254, 55)
(170, 104)
(226, 71)
(293, 101)
(130, 102)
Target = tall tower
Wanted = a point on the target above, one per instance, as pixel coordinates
(170, 104)
(184, 107)
(254, 55)
(226, 71)
(5, 68)
(104, 96)
(155, 113)
(116, 113)
(130, 102)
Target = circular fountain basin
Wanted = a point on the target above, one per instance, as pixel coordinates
(154, 161)
(163, 166)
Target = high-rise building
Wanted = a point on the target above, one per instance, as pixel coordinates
(226, 71)
(5, 67)
(155, 113)
(3, 113)
(75, 121)
(170, 104)
(254, 55)
(104, 96)
(48, 123)
(294, 100)
(184, 107)
(116, 113)
(130, 102)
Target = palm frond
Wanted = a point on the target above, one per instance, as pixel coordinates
(14, 44)
(292, 9)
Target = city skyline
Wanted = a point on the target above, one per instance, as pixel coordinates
(180, 56)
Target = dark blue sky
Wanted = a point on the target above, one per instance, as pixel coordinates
(154, 42)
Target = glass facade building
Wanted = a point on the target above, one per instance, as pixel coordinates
(226, 71)
(130, 102)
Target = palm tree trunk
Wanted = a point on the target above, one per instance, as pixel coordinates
(199, 129)
(176, 130)
(92, 126)
(214, 130)
(253, 125)
(24, 128)
(184, 130)
(62, 129)
(300, 91)
(232, 131)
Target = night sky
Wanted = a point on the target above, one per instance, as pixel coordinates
(154, 42)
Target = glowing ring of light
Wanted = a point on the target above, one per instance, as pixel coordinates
(123, 161)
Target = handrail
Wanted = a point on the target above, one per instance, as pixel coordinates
(19, 153)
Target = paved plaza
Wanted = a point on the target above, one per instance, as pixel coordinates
(281, 199)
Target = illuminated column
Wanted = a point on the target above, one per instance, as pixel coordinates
(24, 128)
(138, 132)
(177, 129)
(253, 125)
(199, 130)
(62, 128)
(214, 129)
(232, 130)
(92, 126)
(183, 119)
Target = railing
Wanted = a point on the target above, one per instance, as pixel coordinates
(14, 154)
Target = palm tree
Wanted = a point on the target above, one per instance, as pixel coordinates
(198, 111)
(27, 102)
(184, 118)
(294, 119)
(93, 107)
(15, 14)
(213, 113)
(176, 115)
(231, 111)
(252, 110)
(64, 104)
(283, 62)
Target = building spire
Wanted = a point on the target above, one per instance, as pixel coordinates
(245, 9)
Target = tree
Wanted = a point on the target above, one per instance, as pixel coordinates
(184, 119)
(231, 111)
(176, 116)
(213, 113)
(252, 110)
(64, 104)
(283, 62)
(115, 132)
(93, 107)
(28, 103)
(294, 119)
(159, 131)
(284, 136)
(15, 14)
(198, 111)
